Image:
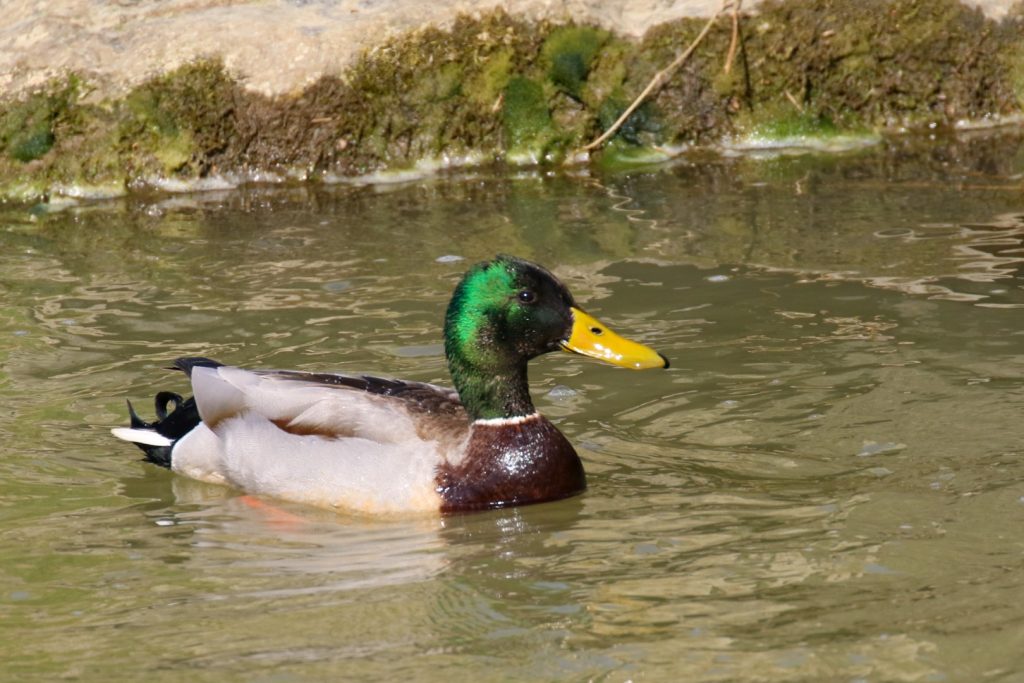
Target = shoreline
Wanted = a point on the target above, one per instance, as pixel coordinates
(520, 88)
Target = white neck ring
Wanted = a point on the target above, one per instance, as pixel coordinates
(504, 421)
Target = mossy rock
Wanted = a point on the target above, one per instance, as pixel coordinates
(176, 123)
(496, 86)
(878, 64)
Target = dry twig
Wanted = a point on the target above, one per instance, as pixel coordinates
(793, 101)
(735, 41)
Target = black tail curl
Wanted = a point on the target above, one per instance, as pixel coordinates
(175, 423)
(181, 419)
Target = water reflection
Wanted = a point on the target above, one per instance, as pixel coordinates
(983, 257)
(353, 552)
(827, 484)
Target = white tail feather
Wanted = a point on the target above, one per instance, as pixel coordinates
(143, 436)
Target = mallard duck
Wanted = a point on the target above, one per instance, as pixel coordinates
(375, 445)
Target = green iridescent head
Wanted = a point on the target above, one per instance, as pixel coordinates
(505, 312)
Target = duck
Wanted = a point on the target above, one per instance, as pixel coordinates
(380, 446)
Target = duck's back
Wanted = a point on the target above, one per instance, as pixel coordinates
(361, 443)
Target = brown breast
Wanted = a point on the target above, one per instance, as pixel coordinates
(511, 464)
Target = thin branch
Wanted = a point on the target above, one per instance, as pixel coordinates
(735, 41)
(659, 80)
(793, 101)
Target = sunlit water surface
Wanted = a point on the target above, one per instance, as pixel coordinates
(827, 485)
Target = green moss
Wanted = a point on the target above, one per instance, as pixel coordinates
(568, 54)
(172, 123)
(438, 85)
(32, 143)
(1017, 79)
(791, 123)
(488, 84)
(608, 72)
(153, 131)
(624, 156)
(644, 119)
(19, 186)
(27, 126)
(1013, 60)
(526, 117)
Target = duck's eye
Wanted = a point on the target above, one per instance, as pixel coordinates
(528, 296)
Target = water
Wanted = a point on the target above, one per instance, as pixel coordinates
(827, 485)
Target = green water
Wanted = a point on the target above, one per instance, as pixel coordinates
(827, 485)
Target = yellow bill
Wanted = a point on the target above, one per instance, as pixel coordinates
(592, 338)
